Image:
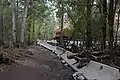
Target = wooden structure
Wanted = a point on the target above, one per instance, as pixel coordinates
(67, 33)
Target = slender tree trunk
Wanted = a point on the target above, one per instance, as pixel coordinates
(24, 21)
(88, 25)
(1, 21)
(104, 6)
(13, 22)
(39, 33)
(28, 34)
(17, 24)
(2, 26)
(110, 24)
(62, 23)
(116, 35)
(33, 29)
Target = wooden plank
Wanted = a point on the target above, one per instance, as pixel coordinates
(69, 61)
(57, 50)
(98, 71)
(48, 46)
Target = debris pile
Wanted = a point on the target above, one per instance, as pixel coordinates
(9, 55)
(99, 56)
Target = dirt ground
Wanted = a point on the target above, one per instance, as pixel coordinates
(40, 65)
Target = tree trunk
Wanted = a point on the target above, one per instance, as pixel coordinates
(28, 32)
(62, 23)
(2, 26)
(116, 35)
(33, 35)
(1, 22)
(13, 22)
(24, 21)
(104, 6)
(88, 25)
(110, 24)
(17, 24)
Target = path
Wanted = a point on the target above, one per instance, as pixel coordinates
(42, 66)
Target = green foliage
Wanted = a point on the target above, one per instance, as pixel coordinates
(43, 15)
(40, 21)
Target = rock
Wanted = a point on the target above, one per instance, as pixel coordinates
(63, 62)
(66, 65)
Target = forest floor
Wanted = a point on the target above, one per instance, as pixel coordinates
(38, 63)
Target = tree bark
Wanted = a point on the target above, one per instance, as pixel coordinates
(2, 26)
(62, 23)
(33, 35)
(1, 22)
(116, 35)
(24, 21)
(104, 6)
(28, 34)
(110, 24)
(88, 25)
(17, 24)
(13, 22)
